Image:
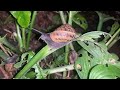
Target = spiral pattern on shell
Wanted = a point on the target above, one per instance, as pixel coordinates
(64, 33)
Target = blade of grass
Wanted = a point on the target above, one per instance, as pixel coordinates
(30, 30)
(19, 37)
(23, 38)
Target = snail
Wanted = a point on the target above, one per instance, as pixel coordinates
(61, 36)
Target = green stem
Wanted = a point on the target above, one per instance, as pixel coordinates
(60, 69)
(24, 38)
(71, 46)
(108, 18)
(19, 38)
(62, 17)
(38, 57)
(113, 42)
(100, 24)
(70, 22)
(111, 39)
(70, 18)
(107, 37)
(66, 47)
(30, 30)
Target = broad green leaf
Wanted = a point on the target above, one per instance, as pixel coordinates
(99, 53)
(90, 36)
(23, 17)
(83, 61)
(104, 72)
(80, 20)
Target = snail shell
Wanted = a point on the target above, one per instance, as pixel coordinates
(62, 36)
(64, 33)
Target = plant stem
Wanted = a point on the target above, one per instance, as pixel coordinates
(111, 39)
(100, 24)
(30, 30)
(38, 57)
(19, 38)
(70, 18)
(66, 47)
(4, 41)
(60, 69)
(70, 22)
(113, 42)
(62, 17)
(24, 38)
(108, 18)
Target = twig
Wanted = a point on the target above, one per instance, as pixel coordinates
(3, 49)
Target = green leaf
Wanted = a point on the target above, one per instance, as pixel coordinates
(114, 56)
(24, 77)
(40, 74)
(19, 64)
(118, 64)
(90, 36)
(30, 54)
(83, 61)
(30, 75)
(99, 53)
(104, 72)
(23, 17)
(74, 13)
(80, 20)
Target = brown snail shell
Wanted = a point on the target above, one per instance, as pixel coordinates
(64, 33)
